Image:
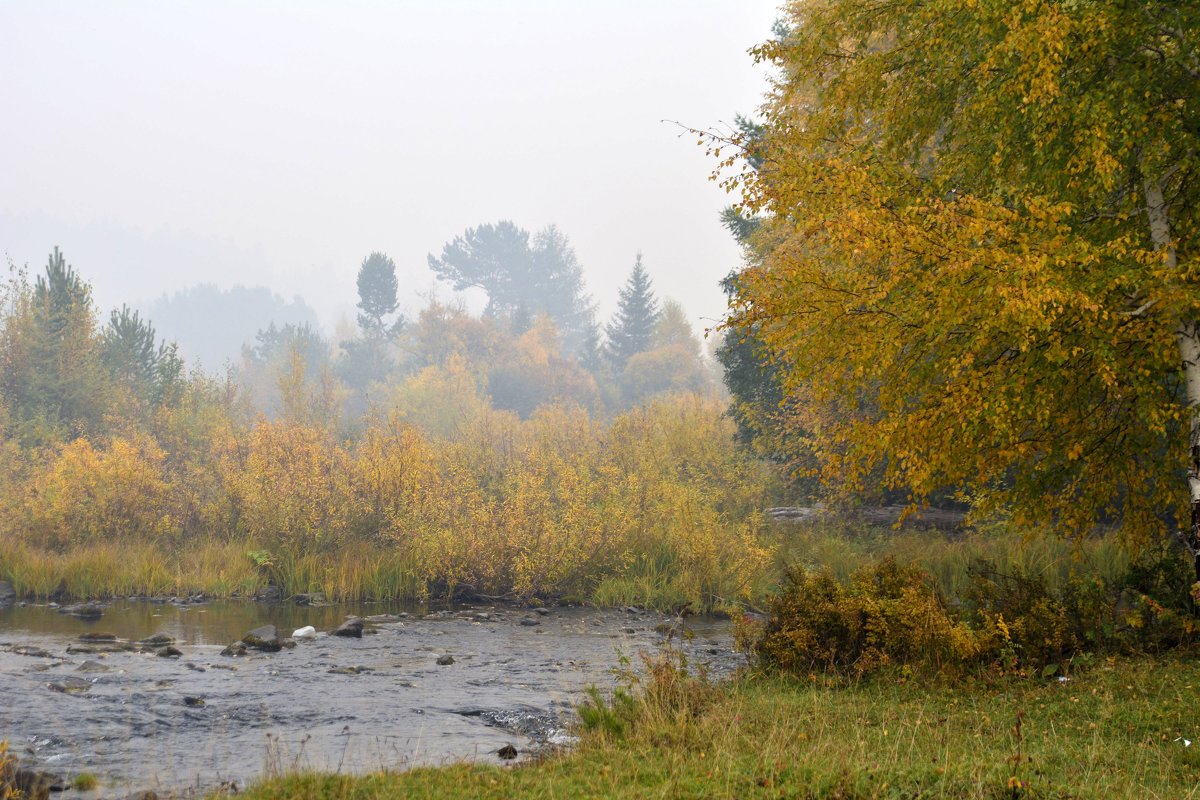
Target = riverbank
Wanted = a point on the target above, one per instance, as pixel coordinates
(221, 569)
(1117, 729)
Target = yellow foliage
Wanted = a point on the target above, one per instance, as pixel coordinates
(86, 494)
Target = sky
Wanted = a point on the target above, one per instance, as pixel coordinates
(164, 144)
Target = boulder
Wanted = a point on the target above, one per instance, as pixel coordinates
(84, 610)
(265, 638)
(92, 666)
(234, 649)
(30, 650)
(530, 622)
(193, 702)
(158, 640)
(70, 685)
(508, 752)
(8, 595)
(307, 632)
(542, 612)
(352, 627)
(268, 594)
(170, 651)
(445, 661)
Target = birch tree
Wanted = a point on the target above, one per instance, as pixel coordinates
(979, 261)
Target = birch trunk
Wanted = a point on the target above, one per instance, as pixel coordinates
(1187, 334)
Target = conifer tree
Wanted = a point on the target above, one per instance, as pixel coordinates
(366, 358)
(632, 327)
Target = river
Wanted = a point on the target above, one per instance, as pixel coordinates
(195, 721)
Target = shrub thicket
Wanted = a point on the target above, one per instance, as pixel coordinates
(887, 613)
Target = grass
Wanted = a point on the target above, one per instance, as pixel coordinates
(1109, 732)
(654, 577)
(844, 548)
(84, 782)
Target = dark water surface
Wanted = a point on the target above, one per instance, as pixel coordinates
(512, 681)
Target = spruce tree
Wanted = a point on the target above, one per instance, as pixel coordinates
(632, 327)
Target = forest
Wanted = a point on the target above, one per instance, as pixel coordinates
(968, 290)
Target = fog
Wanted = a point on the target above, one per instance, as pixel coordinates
(163, 145)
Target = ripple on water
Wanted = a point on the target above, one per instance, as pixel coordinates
(509, 683)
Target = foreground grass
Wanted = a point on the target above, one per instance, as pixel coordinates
(1108, 732)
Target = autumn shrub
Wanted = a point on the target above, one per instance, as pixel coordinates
(88, 493)
(1006, 617)
(886, 614)
(1156, 608)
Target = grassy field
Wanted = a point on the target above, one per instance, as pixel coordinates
(1112, 730)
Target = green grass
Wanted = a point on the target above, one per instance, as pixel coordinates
(844, 548)
(1108, 732)
(84, 782)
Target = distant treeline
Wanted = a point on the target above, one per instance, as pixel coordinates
(416, 456)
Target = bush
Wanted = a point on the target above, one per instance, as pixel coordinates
(887, 614)
(1015, 620)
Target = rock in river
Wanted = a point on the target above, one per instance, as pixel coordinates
(352, 627)
(30, 650)
(70, 685)
(158, 640)
(84, 610)
(307, 632)
(445, 661)
(234, 649)
(265, 638)
(268, 594)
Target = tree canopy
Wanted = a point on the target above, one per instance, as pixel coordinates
(978, 263)
(522, 275)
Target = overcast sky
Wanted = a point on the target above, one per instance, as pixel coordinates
(163, 144)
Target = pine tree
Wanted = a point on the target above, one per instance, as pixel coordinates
(63, 392)
(366, 358)
(632, 327)
(377, 287)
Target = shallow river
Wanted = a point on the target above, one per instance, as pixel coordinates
(515, 678)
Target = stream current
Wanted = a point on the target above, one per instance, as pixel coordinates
(199, 720)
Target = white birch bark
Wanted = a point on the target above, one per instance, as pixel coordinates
(1187, 334)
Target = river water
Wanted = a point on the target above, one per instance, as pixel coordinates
(196, 721)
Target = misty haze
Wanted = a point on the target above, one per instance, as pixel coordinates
(721, 398)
